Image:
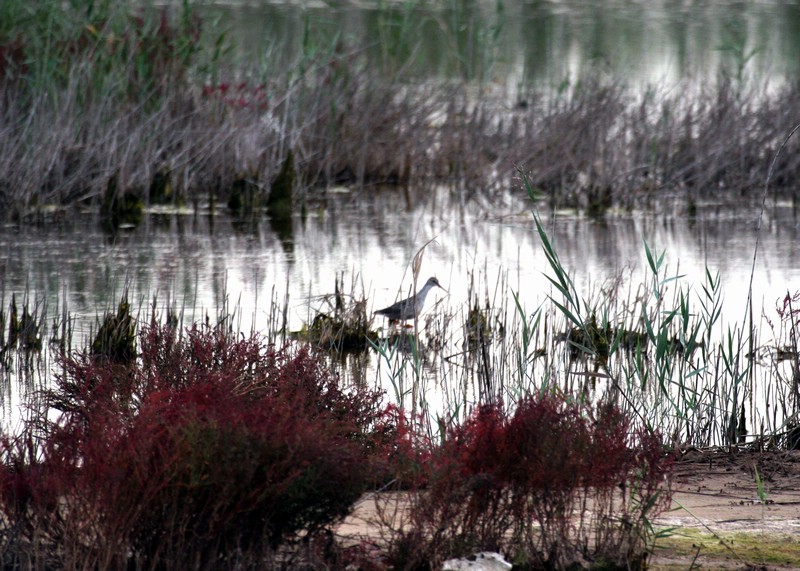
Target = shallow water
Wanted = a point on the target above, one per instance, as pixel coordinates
(198, 259)
(205, 266)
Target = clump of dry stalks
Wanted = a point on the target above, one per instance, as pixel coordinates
(594, 146)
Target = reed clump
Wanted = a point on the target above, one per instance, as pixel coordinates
(117, 98)
(24, 329)
(116, 336)
(340, 323)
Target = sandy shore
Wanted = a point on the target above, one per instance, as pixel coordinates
(718, 520)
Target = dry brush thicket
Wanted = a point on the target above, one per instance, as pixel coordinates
(598, 145)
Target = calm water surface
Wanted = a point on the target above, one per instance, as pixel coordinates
(516, 42)
(205, 264)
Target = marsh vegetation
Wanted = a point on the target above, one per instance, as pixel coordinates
(654, 365)
(164, 431)
(108, 107)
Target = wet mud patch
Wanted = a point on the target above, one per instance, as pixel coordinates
(723, 520)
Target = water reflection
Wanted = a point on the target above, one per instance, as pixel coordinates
(521, 42)
(206, 266)
(196, 256)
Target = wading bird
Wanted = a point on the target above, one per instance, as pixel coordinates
(409, 308)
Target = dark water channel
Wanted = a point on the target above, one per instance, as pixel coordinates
(205, 266)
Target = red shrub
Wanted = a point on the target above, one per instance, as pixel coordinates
(400, 450)
(547, 484)
(206, 447)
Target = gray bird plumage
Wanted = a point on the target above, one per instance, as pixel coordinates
(409, 308)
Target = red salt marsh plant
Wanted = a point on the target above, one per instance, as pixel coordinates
(207, 452)
(549, 484)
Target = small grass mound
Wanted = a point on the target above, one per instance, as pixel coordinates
(341, 323)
